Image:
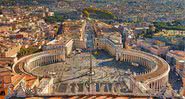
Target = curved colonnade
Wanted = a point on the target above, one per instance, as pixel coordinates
(158, 69)
(30, 62)
(156, 77)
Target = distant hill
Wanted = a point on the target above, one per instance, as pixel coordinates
(98, 2)
(161, 10)
(26, 2)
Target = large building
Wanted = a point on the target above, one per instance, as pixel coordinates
(5, 81)
(176, 59)
(169, 33)
(73, 36)
(155, 47)
(9, 49)
(107, 37)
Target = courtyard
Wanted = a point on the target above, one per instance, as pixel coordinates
(77, 67)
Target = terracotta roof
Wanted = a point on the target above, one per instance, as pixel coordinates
(4, 70)
(91, 97)
(30, 80)
(179, 54)
(16, 79)
(3, 63)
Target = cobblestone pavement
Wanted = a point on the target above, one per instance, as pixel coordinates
(76, 68)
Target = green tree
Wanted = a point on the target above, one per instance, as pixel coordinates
(56, 18)
(86, 13)
(27, 51)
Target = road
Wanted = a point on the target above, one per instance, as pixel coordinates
(175, 80)
(89, 35)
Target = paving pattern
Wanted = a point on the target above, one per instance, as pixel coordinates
(76, 68)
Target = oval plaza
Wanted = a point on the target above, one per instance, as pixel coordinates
(151, 81)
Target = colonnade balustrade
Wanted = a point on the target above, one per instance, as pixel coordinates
(150, 65)
(157, 72)
(28, 63)
(152, 77)
(96, 88)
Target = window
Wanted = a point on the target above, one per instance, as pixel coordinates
(1, 83)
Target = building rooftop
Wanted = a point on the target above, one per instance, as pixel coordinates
(6, 44)
(93, 97)
(106, 30)
(74, 29)
(2, 64)
(16, 79)
(30, 80)
(3, 70)
(178, 54)
(71, 30)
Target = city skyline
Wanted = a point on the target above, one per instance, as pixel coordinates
(92, 49)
